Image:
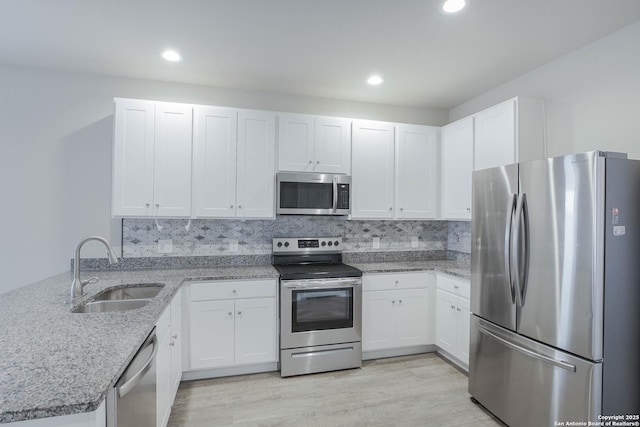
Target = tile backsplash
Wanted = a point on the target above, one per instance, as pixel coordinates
(213, 237)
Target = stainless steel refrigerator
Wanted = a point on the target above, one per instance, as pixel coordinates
(555, 289)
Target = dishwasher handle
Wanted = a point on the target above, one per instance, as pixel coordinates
(130, 385)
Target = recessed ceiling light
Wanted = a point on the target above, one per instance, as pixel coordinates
(171, 55)
(453, 6)
(375, 80)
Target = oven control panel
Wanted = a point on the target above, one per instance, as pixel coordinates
(307, 245)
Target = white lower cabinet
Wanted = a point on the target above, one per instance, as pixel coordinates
(232, 323)
(397, 310)
(168, 359)
(453, 317)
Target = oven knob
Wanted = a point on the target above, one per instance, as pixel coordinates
(336, 243)
(330, 243)
(324, 243)
(286, 244)
(279, 244)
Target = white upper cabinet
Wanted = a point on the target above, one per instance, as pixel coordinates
(214, 162)
(510, 132)
(332, 152)
(417, 172)
(172, 165)
(373, 169)
(457, 165)
(132, 193)
(313, 144)
(255, 194)
(152, 159)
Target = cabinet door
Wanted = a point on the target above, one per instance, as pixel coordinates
(256, 335)
(164, 384)
(212, 334)
(457, 165)
(214, 162)
(417, 172)
(172, 165)
(378, 322)
(176, 337)
(412, 317)
(295, 142)
(463, 329)
(332, 145)
(446, 321)
(133, 140)
(256, 164)
(495, 136)
(372, 168)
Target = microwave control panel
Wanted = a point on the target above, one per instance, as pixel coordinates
(343, 196)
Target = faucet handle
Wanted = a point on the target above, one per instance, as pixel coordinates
(90, 281)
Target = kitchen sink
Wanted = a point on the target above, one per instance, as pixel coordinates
(111, 305)
(121, 298)
(145, 291)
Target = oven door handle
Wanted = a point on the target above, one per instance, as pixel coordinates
(323, 284)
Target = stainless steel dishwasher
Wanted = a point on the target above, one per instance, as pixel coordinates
(132, 401)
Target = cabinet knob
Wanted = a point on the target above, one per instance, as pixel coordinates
(391, 208)
(400, 301)
(458, 309)
(397, 281)
(174, 336)
(468, 209)
(401, 209)
(239, 313)
(455, 286)
(231, 206)
(318, 162)
(393, 301)
(148, 204)
(229, 313)
(234, 291)
(172, 343)
(310, 161)
(239, 206)
(157, 205)
(453, 306)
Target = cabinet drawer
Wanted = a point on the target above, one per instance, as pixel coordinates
(204, 291)
(389, 281)
(454, 285)
(163, 323)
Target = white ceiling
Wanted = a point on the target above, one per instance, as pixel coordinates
(321, 48)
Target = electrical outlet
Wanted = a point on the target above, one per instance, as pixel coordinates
(376, 243)
(165, 246)
(233, 245)
(414, 241)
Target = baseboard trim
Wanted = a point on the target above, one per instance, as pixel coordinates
(229, 371)
(395, 352)
(454, 361)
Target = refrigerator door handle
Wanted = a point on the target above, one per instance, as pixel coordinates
(507, 247)
(520, 276)
(533, 354)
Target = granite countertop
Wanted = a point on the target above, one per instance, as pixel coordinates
(55, 362)
(455, 268)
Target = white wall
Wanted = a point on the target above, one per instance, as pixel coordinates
(592, 96)
(56, 132)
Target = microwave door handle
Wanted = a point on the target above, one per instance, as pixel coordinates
(335, 194)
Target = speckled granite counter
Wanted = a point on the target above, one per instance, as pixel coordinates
(455, 268)
(54, 362)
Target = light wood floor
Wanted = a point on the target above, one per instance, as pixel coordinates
(420, 390)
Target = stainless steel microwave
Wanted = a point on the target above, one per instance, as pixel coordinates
(300, 193)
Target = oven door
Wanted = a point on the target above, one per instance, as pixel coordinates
(313, 194)
(320, 312)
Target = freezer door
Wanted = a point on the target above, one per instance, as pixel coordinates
(492, 291)
(527, 384)
(558, 232)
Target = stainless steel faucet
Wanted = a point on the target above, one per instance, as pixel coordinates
(78, 284)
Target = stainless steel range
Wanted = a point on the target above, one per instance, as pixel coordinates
(320, 306)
